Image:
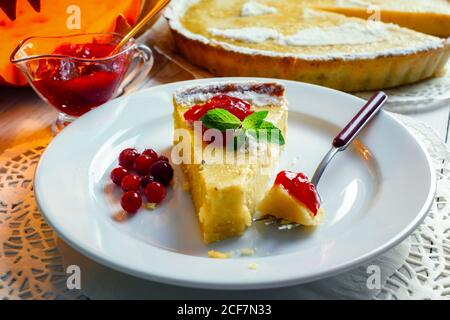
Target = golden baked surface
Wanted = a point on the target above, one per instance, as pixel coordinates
(292, 16)
(417, 6)
(427, 16)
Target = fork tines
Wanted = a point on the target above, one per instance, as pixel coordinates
(282, 224)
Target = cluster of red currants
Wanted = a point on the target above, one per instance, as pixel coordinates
(146, 172)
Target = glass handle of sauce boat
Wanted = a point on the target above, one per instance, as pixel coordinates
(136, 77)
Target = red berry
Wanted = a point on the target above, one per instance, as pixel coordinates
(162, 172)
(131, 201)
(151, 153)
(117, 175)
(145, 180)
(142, 164)
(130, 183)
(127, 157)
(155, 192)
(163, 158)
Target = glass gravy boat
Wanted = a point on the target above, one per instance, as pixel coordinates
(75, 73)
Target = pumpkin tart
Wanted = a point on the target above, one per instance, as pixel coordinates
(294, 40)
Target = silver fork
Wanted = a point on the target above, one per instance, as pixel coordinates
(340, 143)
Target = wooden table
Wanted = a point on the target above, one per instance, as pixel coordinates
(23, 117)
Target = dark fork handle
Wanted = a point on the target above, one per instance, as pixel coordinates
(351, 130)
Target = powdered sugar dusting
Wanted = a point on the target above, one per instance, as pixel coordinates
(345, 34)
(253, 8)
(249, 35)
(259, 94)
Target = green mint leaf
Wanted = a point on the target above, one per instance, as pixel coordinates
(267, 130)
(254, 120)
(220, 119)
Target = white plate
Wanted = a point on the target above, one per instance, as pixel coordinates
(375, 194)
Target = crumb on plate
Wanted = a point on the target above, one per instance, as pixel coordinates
(150, 206)
(218, 255)
(252, 266)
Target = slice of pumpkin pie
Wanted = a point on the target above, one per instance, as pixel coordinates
(228, 137)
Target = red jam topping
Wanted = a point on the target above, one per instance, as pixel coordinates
(85, 51)
(75, 87)
(236, 106)
(298, 186)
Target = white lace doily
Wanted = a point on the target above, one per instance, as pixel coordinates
(31, 265)
(33, 261)
(423, 96)
(425, 274)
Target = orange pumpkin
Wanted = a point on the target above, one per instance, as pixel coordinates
(53, 18)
